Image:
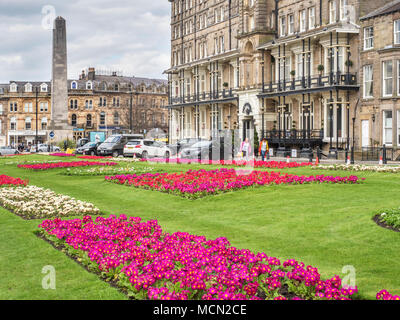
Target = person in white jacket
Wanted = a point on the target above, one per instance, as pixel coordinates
(245, 148)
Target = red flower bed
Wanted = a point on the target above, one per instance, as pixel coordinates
(46, 166)
(195, 184)
(93, 157)
(6, 181)
(236, 163)
(152, 264)
(61, 155)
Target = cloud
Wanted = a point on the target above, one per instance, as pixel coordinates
(130, 35)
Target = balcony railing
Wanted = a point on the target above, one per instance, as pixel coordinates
(312, 82)
(295, 137)
(205, 96)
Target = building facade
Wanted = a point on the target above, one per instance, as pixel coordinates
(380, 74)
(291, 70)
(110, 103)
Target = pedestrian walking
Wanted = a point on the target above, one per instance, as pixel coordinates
(245, 149)
(263, 149)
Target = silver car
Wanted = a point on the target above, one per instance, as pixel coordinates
(7, 151)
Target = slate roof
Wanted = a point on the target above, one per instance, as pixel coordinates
(388, 8)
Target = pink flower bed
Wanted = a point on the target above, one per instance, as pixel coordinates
(6, 181)
(93, 157)
(46, 166)
(195, 184)
(236, 163)
(151, 264)
(57, 154)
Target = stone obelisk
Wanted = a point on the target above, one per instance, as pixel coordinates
(59, 84)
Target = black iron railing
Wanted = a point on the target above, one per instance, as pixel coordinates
(206, 96)
(312, 82)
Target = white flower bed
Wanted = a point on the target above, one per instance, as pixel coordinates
(124, 159)
(96, 171)
(358, 167)
(32, 202)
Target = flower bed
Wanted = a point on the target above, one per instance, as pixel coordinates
(6, 181)
(48, 165)
(93, 157)
(32, 202)
(104, 171)
(61, 154)
(235, 163)
(147, 263)
(195, 184)
(358, 167)
(389, 219)
(384, 295)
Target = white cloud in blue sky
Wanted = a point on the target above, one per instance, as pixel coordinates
(128, 35)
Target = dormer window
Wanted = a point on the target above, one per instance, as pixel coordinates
(74, 85)
(44, 87)
(116, 87)
(28, 87)
(13, 87)
(89, 85)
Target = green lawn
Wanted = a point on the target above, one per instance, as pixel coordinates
(326, 226)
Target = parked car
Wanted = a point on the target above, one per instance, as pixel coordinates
(114, 145)
(81, 142)
(7, 151)
(144, 148)
(45, 148)
(202, 150)
(89, 148)
(183, 144)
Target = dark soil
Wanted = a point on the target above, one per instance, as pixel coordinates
(62, 248)
(383, 224)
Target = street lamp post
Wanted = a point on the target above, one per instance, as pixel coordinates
(36, 133)
(130, 113)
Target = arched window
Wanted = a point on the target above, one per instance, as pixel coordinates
(103, 86)
(74, 85)
(116, 87)
(44, 87)
(28, 123)
(89, 85)
(28, 87)
(71, 104)
(44, 123)
(89, 120)
(116, 118)
(13, 87)
(73, 120)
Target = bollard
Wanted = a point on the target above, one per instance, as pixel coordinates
(288, 159)
(380, 161)
(348, 160)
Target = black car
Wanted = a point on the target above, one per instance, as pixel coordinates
(183, 144)
(89, 148)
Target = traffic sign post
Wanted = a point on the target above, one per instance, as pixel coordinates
(52, 135)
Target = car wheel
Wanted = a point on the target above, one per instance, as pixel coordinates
(145, 155)
(115, 154)
(92, 153)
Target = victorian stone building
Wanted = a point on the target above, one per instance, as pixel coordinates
(380, 75)
(95, 103)
(289, 69)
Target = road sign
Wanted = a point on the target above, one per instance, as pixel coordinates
(52, 135)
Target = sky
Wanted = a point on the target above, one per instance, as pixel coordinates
(132, 36)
